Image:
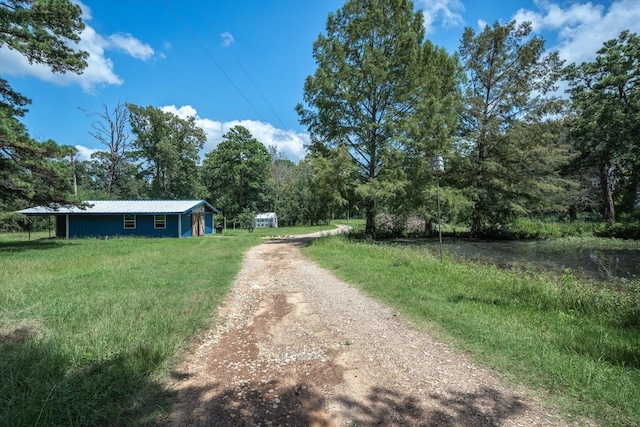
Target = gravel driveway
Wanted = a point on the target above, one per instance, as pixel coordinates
(295, 346)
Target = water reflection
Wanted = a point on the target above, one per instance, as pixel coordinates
(600, 264)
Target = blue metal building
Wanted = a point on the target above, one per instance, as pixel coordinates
(148, 218)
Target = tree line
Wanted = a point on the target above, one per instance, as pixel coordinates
(382, 101)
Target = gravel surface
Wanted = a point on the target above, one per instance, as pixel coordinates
(295, 346)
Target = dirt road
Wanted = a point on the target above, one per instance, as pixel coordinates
(295, 346)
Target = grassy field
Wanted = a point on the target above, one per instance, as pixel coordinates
(90, 329)
(578, 345)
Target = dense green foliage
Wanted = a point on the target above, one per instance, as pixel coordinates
(384, 93)
(236, 173)
(169, 147)
(577, 343)
(605, 97)
(290, 191)
(382, 101)
(511, 148)
(44, 32)
(516, 154)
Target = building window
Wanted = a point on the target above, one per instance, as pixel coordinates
(129, 221)
(159, 221)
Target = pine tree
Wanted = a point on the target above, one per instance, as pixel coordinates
(379, 90)
(509, 136)
(44, 32)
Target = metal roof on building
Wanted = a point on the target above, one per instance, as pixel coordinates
(266, 215)
(101, 207)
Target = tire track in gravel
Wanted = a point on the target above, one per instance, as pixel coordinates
(295, 346)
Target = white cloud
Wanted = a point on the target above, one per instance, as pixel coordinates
(131, 46)
(227, 39)
(183, 112)
(448, 12)
(85, 153)
(86, 12)
(100, 68)
(289, 143)
(582, 28)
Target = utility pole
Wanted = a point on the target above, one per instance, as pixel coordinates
(436, 165)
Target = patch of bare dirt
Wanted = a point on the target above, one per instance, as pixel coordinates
(295, 346)
(20, 333)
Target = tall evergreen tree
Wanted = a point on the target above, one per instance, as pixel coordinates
(508, 136)
(32, 173)
(44, 32)
(376, 91)
(605, 97)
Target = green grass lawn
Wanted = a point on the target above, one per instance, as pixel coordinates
(577, 345)
(90, 328)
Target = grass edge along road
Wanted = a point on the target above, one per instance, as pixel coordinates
(90, 329)
(578, 346)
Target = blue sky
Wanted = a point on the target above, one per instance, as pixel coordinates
(245, 61)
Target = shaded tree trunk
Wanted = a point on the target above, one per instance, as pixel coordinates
(608, 209)
(370, 214)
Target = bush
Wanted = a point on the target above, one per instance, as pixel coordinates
(11, 222)
(526, 228)
(621, 231)
(390, 226)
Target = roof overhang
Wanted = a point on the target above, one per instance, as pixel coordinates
(123, 207)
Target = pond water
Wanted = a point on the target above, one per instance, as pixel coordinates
(599, 264)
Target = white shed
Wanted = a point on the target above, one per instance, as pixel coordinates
(266, 220)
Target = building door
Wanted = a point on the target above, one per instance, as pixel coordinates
(61, 226)
(197, 224)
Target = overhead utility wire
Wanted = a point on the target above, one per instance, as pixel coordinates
(213, 59)
(210, 56)
(216, 30)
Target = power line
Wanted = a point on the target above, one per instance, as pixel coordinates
(212, 59)
(240, 64)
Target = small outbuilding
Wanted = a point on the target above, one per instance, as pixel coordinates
(146, 218)
(267, 220)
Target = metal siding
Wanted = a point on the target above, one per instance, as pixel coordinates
(113, 225)
(149, 229)
(144, 227)
(186, 225)
(208, 223)
(172, 226)
(106, 218)
(95, 226)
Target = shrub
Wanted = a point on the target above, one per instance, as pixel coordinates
(621, 231)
